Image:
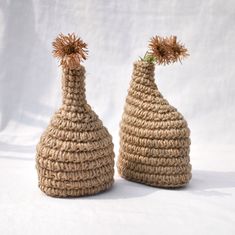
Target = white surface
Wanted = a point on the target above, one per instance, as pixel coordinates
(117, 32)
(205, 207)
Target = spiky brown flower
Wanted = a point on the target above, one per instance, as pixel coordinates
(167, 50)
(70, 49)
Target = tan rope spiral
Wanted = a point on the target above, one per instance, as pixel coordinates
(75, 154)
(154, 136)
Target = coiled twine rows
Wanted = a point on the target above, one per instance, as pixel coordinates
(154, 136)
(75, 154)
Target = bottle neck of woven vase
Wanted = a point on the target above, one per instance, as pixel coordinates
(73, 87)
(143, 77)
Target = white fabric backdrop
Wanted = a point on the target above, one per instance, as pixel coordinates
(117, 33)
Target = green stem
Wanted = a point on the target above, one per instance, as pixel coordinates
(149, 58)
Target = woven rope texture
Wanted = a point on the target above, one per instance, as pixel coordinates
(154, 136)
(75, 154)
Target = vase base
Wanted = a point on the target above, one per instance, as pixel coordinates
(157, 180)
(63, 193)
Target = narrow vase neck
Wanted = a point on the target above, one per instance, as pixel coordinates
(143, 73)
(73, 87)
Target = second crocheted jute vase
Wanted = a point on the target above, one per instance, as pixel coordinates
(75, 154)
(154, 136)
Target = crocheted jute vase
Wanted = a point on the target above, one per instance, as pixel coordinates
(75, 154)
(154, 136)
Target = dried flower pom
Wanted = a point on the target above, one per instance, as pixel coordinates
(70, 49)
(167, 50)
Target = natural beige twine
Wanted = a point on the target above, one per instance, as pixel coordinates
(154, 136)
(75, 154)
